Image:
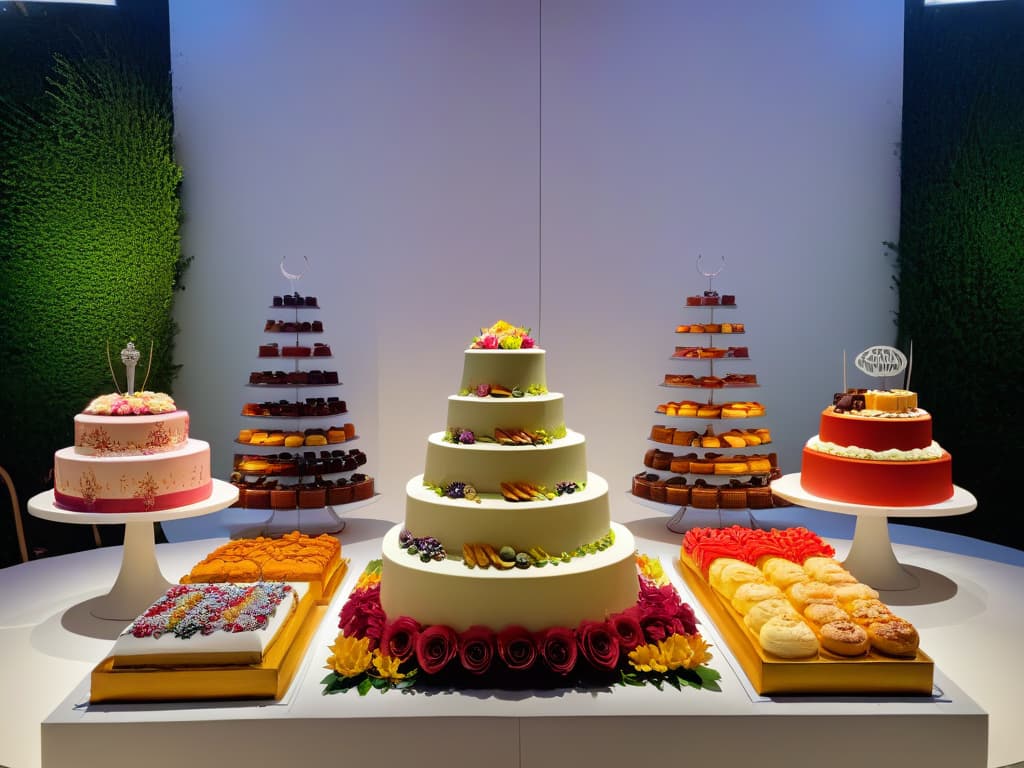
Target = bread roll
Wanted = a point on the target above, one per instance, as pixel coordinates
(788, 637)
(748, 595)
(844, 638)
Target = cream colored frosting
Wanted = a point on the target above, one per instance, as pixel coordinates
(486, 466)
(448, 592)
(483, 415)
(521, 368)
(556, 525)
(932, 452)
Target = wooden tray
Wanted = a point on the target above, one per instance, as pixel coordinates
(827, 673)
(267, 680)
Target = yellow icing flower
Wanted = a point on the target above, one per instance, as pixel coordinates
(387, 667)
(350, 656)
(647, 658)
(367, 580)
(651, 568)
(686, 651)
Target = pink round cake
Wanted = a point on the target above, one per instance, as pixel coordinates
(132, 453)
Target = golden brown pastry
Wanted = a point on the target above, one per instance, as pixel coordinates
(844, 638)
(822, 613)
(868, 611)
(895, 637)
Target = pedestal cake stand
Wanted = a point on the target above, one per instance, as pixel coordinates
(871, 558)
(139, 580)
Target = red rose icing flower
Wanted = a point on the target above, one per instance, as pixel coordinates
(557, 646)
(476, 649)
(399, 638)
(362, 616)
(516, 648)
(599, 644)
(435, 647)
(626, 627)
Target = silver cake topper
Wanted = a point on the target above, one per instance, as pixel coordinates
(130, 358)
(882, 361)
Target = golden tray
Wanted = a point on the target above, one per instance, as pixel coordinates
(267, 680)
(827, 673)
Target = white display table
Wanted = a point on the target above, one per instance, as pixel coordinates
(50, 647)
(871, 558)
(139, 580)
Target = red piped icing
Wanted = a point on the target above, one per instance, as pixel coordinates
(705, 545)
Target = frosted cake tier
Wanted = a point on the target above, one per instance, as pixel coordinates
(556, 525)
(522, 368)
(132, 483)
(482, 415)
(130, 435)
(447, 592)
(486, 466)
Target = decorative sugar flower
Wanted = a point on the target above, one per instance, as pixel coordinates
(647, 658)
(503, 335)
(686, 651)
(386, 667)
(350, 656)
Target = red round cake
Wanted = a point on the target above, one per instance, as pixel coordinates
(903, 433)
(880, 458)
(877, 483)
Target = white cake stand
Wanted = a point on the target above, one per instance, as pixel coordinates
(139, 581)
(871, 558)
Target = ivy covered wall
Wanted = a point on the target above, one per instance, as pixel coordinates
(89, 214)
(961, 246)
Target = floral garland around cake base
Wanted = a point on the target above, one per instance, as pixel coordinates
(655, 642)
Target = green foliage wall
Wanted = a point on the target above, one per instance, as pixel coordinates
(89, 250)
(961, 243)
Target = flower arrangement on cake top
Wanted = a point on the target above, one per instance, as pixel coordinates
(503, 335)
(654, 642)
(137, 404)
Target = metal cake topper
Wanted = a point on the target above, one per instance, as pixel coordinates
(882, 361)
(130, 358)
(710, 275)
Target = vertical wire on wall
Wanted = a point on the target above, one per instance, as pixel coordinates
(540, 167)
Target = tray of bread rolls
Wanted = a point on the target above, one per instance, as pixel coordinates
(803, 624)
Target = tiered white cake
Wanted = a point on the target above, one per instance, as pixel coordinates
(504, 392)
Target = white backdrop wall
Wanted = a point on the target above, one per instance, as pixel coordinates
(559, 164)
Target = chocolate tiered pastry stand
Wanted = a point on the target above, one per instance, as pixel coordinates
(871, 558)
(139, 581)
(708, 361)
(293, 344)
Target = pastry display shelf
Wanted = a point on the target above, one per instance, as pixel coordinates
(282, 447)
(296, 418)
(139, 580)
(709, 389)
(871, 558)
(711, 359)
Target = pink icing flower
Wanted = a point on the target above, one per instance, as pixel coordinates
(528, 342)
(490, 341)
(483, 390)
